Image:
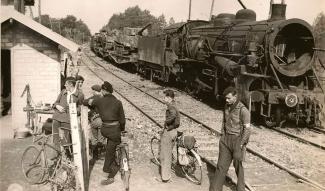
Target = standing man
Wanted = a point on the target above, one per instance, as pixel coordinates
(80, 80)
(95, 122)
(168, 136)
(79, 56)
(235, 135)
(61, 117)
(111, 112)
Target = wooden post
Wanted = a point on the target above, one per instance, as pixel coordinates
(39, 12)
(85, 149)
(77, 145)
(211, 10)
(189, 10)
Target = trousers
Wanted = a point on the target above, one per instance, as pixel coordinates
(166, 148)
(58, 134)
(229, 150)
(113, 135)
(96, 136)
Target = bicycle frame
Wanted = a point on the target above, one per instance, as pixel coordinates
(192, 168)
(60, 161)
(122, 158)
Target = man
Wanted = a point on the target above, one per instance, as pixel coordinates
(80, 80)
(168, 136)
(95, 122)
(79, 56)
(235, 135)
(111, 112)
(61, 117)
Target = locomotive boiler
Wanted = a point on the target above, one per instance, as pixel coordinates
(271, 62)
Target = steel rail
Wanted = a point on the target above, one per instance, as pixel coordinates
(312, 183)
(300, 139)
(317, 130)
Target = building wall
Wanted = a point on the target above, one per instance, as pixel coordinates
(41, 72)
(16, 33)
(35, 60)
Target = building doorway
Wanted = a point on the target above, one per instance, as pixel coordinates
(5, 82)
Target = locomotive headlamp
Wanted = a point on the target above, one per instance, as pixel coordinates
(291, 100)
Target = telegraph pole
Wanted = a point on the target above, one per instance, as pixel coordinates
(189, 11)
(211, 11)
(31, 12)
(39, 12)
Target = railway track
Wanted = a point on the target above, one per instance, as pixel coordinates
(314, 138)
(207, 140)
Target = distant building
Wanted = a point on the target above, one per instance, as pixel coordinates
(30, 54)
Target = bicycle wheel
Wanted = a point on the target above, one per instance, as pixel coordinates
(193, 170)
(124, 167)
(155, 150)
(64, 179)
(32, 165)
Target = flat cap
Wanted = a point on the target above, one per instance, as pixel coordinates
(96, 87)
(70, 78)
(107, 86)
(79, 77)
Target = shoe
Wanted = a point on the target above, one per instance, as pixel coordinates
(161, 180)
(165, 181)
(107, 181)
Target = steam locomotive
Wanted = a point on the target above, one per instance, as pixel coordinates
(271, 62)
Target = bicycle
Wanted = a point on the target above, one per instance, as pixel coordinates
(37, 170)
(122, 158)
(191, 168)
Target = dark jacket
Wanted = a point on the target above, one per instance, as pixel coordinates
(110, 109)
(172, 117)
(77, 98)
(92, 109)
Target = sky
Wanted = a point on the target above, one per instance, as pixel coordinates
(96, 13)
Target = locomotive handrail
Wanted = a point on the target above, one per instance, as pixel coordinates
(220, 53)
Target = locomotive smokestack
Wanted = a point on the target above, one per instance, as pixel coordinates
(277, 11)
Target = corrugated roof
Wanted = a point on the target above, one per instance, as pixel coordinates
(8, 13)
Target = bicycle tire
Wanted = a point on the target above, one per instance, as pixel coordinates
(32, 165)
(64, 179)
(193, 170)
(155, 150)
(124, 167)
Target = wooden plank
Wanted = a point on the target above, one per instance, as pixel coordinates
(76, 145)
(85, 127)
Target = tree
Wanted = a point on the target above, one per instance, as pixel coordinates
(171, 21)
(319, 31)
(68, 27)
(161, 21)
(134, 17)
(319, 26)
